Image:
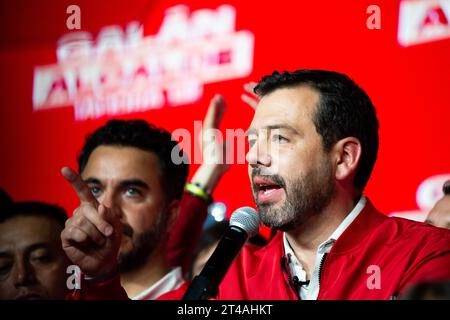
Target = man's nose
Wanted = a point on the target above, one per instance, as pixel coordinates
(109, 199)
(24, 274)
(258, 155)
(112, 201)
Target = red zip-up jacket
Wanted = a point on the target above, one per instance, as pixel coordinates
(398, 251)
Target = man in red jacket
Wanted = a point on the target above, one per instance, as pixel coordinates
(135, 216)
(313, 144)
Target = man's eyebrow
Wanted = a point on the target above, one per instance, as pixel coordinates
(134, 182)
(30, 248)
(280, 126)
(272, 127)
(92, 180)
(39, 245)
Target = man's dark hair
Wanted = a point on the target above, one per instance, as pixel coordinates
(344, 110)
(446, 188)
(35, 208)
(142, 135)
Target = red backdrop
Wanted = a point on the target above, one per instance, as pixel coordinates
(409, 86)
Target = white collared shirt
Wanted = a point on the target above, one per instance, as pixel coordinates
(171, 281)
(311, 291)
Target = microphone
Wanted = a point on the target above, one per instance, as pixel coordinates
(244, 223)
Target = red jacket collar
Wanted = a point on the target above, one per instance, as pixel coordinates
(352, 237)
(355, 234)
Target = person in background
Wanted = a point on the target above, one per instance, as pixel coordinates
(439, 215)
(131, 193)
(33, 264)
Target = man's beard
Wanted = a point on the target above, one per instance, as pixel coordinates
(143, 244)
(305, 196)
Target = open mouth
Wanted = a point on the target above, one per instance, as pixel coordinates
(267, 190)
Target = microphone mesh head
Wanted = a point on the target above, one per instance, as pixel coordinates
(246, 218)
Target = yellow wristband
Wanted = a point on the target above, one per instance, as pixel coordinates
(197, 191)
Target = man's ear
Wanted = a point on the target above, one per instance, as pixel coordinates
(173, 210)
(348, 155)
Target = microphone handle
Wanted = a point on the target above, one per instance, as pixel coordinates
(206, 284)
